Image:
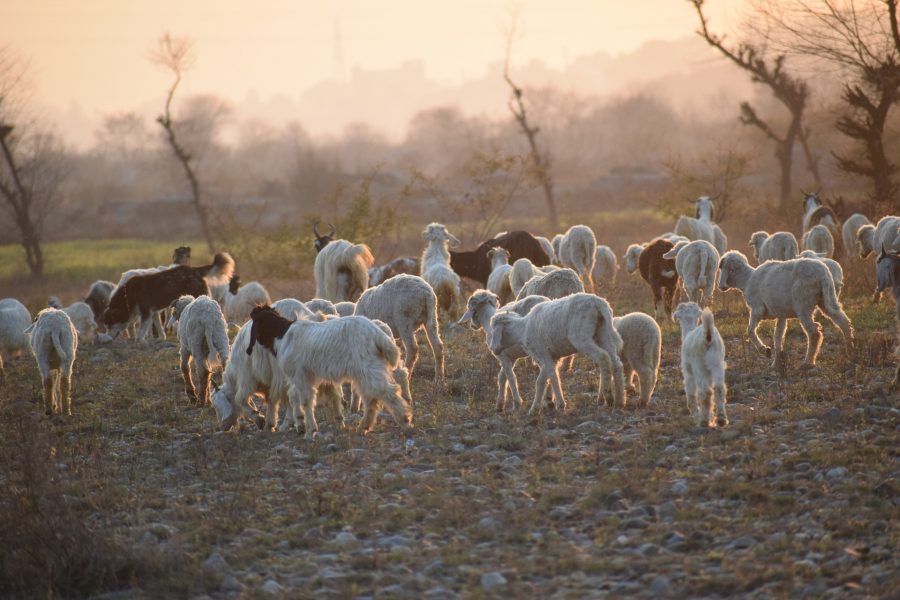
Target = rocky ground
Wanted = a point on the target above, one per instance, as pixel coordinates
(138, 494)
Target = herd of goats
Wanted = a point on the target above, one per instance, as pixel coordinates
(538, 301)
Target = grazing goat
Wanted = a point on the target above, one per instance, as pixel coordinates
(791, 289)
(580, 323)
(814, 213)
(547, 245)
(335, 350)
(696, 264)
(98, 299)
(147, 294)
(405, 264)
(522, 271)
(887, 271)
(837, 273)
(203, 336)
(82, 318)
(849, 230)
(641, 348)
(498, 280)
(819, 240)
(239, 300)
(54, 343)
(633, 256)
(436, 266)
(475, 265)
(703, 367)
(406, 303)
(605, 267)
(481, 308)
(14, 320)
(660, 274)
(555, 284)
(781, 245)
(576, 251)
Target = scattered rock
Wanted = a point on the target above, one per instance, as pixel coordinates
(660, 585)
(272, 587)
(836, 473)
(679, 488)
(345, 538)
(493, 580)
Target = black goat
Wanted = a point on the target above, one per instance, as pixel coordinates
(322, 240)
(474, 264)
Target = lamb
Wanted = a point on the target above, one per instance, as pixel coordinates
(98, 299)
(54, 343)
(781, 245)
(14, 320)
(576, 251)
(696, 263)
(349, 349)
(341, 268)
(837, 273)
(814, 213)
(148, 294)
(202, 333)
(703, 366)
(436, 266)
(641, 348)
(887, 272)
(605, 267)
(239, 299)
(886, 233)
(632, 257)
(522, 270)
(326, 307)
(580, 323)
(406, 303)
(702, 226)
(498, 280)
(556, 284)
(660, 274)
(547, 245)
(791, 289)
(474, 264)
(819, 240)
(345, 309)
(849, 230)
(404, 264)
(82, 318)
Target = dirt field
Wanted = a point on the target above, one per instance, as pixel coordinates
(138, 494)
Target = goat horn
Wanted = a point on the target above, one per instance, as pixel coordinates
(316, 229)
(332, 230)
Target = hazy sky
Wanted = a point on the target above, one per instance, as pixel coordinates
(94, 52)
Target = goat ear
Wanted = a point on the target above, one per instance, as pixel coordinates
(454, 241)
(252, 339)
(466, 317)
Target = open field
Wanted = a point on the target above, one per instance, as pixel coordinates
(138, 492)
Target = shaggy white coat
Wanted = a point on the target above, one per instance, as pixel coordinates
(555, 284)
(522, 270)
(342, 271)
(54, 343)
(605, 267)
(837, 272)
(849, 230)
(781, 245)
(203, 336)
(703, 367)
(321, 305)
(819, 240)
(238, 306)
(576, 251)
(14, 320)
(886, 233)
(436, 267)
(697, 264)
(498, 280)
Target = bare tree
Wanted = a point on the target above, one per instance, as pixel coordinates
(175, 54)
(33, 166)
(861, 40)
(792, 92)
(540, 160)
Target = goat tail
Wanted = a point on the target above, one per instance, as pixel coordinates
(220, 271)
(218, 347)
(830, 301)
(704, 258)
(708, 322)
(361, 259)
(58, 345)
(388, 349)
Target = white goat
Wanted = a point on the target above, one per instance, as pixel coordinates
(522, 270)
(557, 240)
(203, 335)
(580, 323)
(791, 289)
(696, 263)
(555, 284)
(547, 245)
(239, 300)
(350, 349)
(605, 267)
(14, 320)
(436, 266)
(703, 366)
(819, 240)
(400, 372)
(406, 303)
(886, 233)
(702, 227)
(641, 347)
(341, 270)
(849, 230)
(781, 245)
(498, 280)
(481, 308)
(814, 213)
(54, 343)
(576, 251)
(345, 309)
(837, 272)
(321, 305)
(632, 256)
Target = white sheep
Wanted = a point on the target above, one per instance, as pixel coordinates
(82, 318)
(837, 273)
(781, 245)
(703, 366)
(498, 280)
(641, 347)
(632, 256)
(819, 240)
(203, 335)
(54, 343)
(481, 308)
(522, 270)
(14, 320)
(886, 233)
(436, 267)
(406, 303)
(350, 349)
(580, 323)
(555, 284)
(345, 309)
(341, 270)
(321, 305)
(239, 300)
(849, 230)
(576, 251)
(605, 267)
(696, 263)
(702, 227)
(547, 245)
(791, 289)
